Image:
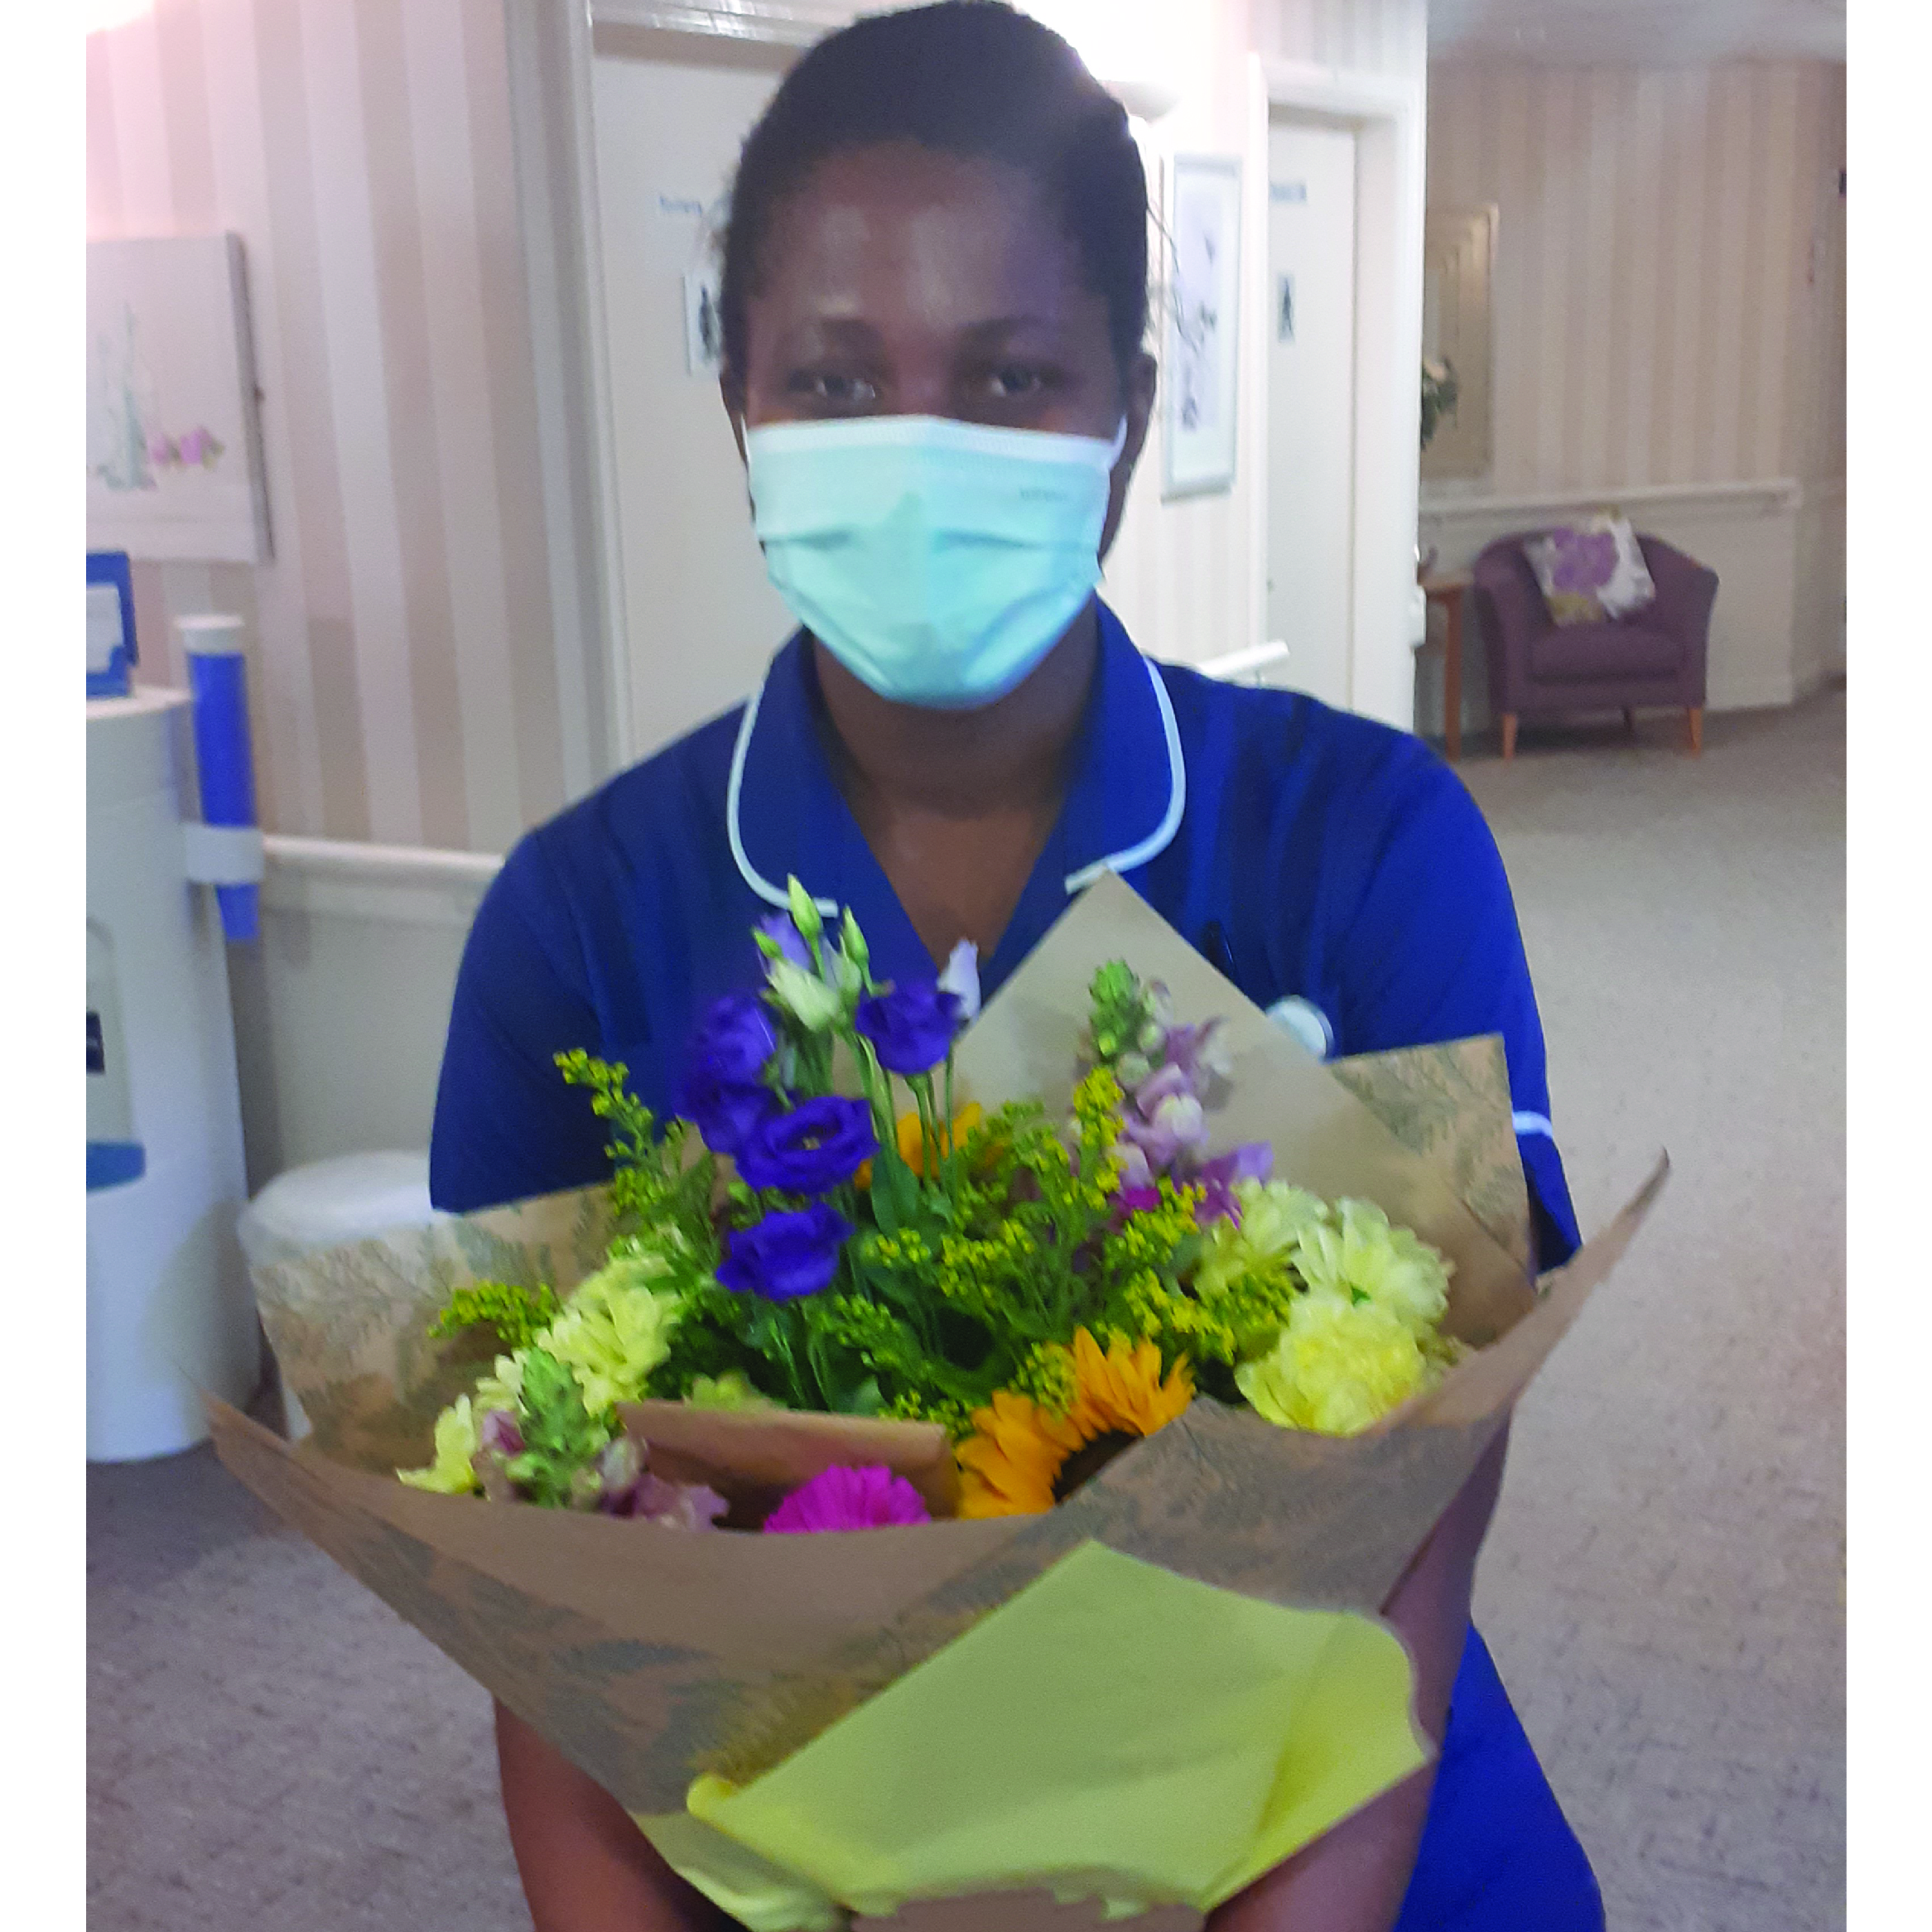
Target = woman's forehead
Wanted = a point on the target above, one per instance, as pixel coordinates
(900, 234)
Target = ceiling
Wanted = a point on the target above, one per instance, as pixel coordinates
(1648, 33)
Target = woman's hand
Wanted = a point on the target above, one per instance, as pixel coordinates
(1353, 1878)
(586, 1867)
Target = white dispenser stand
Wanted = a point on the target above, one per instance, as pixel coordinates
(169, 1308)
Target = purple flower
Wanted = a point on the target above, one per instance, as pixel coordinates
(499, 1435)
(787, 1255)
(1134, 1172)
(786, 936)
(1132, 1201)
(1177, 1125)
(1198, 1053)
(627, 1488)
(723, 1088)
(911, 1027)
(812, 1149)
(736, 1040)
(1252, 1161)
(1166, 1082)
(839, 1498)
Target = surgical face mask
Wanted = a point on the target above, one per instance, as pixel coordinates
(937, 560)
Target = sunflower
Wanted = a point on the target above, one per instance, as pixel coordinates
(1023, 1458)
(911, 1140)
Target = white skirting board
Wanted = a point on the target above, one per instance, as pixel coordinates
(1777, 546)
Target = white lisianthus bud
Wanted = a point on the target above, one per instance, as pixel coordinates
(962, 979)
(809, 1001)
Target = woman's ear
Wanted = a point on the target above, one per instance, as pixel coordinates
(1139, 390)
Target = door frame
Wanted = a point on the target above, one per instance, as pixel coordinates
(551, 47)
(1386, 117)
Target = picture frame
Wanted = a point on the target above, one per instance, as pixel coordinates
(1202, 238)
(174, 462)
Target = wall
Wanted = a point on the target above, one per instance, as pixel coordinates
(1669, 315)
(1188, 576)
(408, 682)
(341, 1010)
(424, 664)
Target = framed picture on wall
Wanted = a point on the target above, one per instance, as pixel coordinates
(174, 438)
(1202, 286)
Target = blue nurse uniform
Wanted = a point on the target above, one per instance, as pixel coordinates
(1336, 870)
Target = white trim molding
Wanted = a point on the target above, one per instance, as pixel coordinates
(1764, 496)
(1388, 116)
(411, 885)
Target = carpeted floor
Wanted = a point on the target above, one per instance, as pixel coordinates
(1664, 1588)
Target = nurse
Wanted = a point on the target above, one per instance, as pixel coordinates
(934, 299)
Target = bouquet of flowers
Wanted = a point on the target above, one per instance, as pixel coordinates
(1140, 1348)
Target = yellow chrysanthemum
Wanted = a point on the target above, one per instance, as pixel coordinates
(1338, 1367)
(452, 1472)
(1011, 1464)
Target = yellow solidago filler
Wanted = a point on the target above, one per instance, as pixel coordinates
(451, 1472)
(1338, 1367)
(1009, 1465)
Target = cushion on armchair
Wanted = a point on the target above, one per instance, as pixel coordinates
(1591, 570)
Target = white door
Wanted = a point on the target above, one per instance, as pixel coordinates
(1311, 404)
(702, 619)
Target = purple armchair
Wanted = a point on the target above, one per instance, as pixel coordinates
(1538, 668)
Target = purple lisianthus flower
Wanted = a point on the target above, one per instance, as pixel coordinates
(1132, 1201)
(736, 1039)
(839, 1498)
(911, 1027)
(786, 936)
(788, 1254)
(812, 1149)
(723, 1088)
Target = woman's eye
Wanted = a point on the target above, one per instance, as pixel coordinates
(834, 390)
(1015, 380)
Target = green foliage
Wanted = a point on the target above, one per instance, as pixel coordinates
(1118, 1010)
(654, 1184)
(518, 1315)
(561, 1435)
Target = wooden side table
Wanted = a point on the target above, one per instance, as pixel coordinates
(1447, 588)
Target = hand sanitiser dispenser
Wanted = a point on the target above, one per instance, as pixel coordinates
(169, 1308)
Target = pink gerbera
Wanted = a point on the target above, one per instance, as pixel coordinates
(839, 1498)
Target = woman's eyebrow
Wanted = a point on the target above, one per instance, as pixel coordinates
(989, 334)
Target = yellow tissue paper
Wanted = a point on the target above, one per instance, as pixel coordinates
(1113, 1730)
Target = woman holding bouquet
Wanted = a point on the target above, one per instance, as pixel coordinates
(933, 302)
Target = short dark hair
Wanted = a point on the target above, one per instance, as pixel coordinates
(973, 78)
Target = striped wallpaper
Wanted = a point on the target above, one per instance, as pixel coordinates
(405, 676)
(410, 682)
(1669, 299)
